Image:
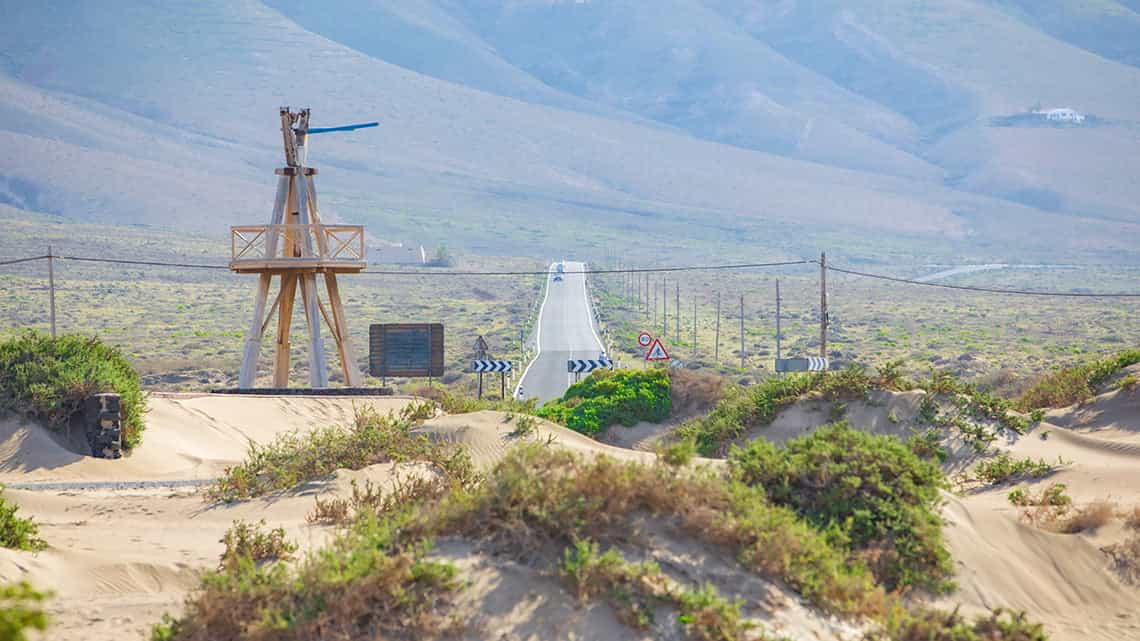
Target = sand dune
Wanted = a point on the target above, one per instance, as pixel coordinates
(188, 436)
(120, 558)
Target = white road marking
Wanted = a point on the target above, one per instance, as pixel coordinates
(537, 332)
(590, 311)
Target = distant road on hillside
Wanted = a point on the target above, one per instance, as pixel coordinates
(565, 331)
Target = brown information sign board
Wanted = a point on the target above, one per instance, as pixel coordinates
(405, 349)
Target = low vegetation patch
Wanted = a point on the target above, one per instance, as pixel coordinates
(606, 398)
(742, 409)
(293, 459)
(693, 390)
(937, 625)
(1004, 468)
(21, 610)
(1125, 558)
(1052, 510)
(1075, 384)
(364, 585)
(377, 571)
(16, 532)
(453, 403)
(869, 491)
(252, 542)
(48, 379)
(377, 578)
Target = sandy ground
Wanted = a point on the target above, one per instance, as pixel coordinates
(119, 559)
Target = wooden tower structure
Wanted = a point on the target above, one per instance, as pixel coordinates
(295, 247)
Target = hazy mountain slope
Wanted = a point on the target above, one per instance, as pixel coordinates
(166, 114)
(422, 37)
(681, 64)
(1108, 29)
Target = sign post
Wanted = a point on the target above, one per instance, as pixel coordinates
(657, 352)
(405, 349)
(806, 364)
(489, 365)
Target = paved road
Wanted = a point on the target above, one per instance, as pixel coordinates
(565, 331)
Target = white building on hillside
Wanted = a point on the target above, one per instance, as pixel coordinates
(1063, 114)
(398, 254)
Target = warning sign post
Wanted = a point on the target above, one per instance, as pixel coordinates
(657, 352)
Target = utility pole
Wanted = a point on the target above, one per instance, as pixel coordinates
(654, 324)
(778, 337)
(677, 315)
(51, 289)
(823, 305)
(716, 340)
(665, 309)
(694, 326)
(742, 331)
(645, 305)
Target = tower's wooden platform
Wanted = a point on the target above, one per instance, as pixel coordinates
(330, 248)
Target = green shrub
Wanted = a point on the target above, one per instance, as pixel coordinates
(708, 616)
(678, 453)
(871, 489)
(606, 398)
(1003, 468)
(249, 541)
(633, 589)
(48, 379)
(16, 532)
(21, 609)
(1075, 384)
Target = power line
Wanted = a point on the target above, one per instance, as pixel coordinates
(148, 263)
(639, 270)
(22, 260)
(629, 270)
(988, 290)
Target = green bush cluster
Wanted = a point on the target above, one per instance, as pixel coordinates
(1004, 467)
(607, 398)
(16, 532)
(869, 491)
(1075, 384)
(21, 610)
(48, 379)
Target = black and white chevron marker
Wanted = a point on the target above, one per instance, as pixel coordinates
(491, 366)
(581, 366)
(807, 364)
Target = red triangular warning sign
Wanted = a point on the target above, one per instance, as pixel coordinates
(657, 352)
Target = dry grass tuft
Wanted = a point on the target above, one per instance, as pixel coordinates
(1132, 520)
(1090, 517)
(694, 391)
(1126, 559)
